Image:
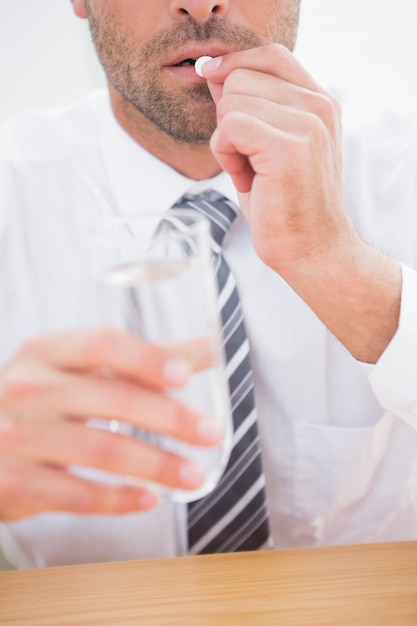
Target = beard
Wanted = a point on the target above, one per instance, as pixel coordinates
(187, 114)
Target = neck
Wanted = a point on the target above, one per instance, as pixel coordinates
(194, 161)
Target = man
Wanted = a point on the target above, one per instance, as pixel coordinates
(330, 318)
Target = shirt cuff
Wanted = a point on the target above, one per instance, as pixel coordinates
(394, 377)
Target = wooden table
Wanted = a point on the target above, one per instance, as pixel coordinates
(372, 585)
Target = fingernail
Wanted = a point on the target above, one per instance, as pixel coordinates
(191, 475)
(177, 371)
(212, 65)
(209, 431)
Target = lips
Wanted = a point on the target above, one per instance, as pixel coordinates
(188, 57)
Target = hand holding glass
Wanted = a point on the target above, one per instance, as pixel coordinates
(155, 277)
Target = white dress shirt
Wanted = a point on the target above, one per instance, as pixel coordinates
(339, 438)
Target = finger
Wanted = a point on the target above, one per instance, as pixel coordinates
(28, 489)
(200, 352)
(274, 114)
(277, 142)
(82, 398)
(70, 444)
(235, 164)
(121, 353)
(273, 59)
(241, 137)
(267, 88)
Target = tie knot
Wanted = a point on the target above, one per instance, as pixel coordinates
(217, 208)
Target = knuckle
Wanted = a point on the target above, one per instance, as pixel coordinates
(16, 377)
(277, 49)
(18, 388)
(224, 106)
(337, 107)
(229, 106)
(323, 107)
(235, 81)
(31, 347)
(316, 127)
(232, 122)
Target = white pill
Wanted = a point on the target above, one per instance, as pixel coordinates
(199, 63)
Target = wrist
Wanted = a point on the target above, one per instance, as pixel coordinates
(356, 292)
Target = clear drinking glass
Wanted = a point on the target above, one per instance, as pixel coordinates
(154, 276)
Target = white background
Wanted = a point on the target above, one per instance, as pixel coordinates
(366, 46)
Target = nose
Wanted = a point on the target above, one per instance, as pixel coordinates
(199, 10)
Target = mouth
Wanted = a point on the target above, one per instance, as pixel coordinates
(185, 63)
(188, 56)
(181, 66)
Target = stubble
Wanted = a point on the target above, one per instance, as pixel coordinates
(186, 113)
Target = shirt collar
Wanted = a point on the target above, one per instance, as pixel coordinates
(142, 183)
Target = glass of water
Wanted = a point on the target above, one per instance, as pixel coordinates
(155, 277)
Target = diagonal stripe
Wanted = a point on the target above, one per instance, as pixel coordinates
(236, 470)
(240, 374)
(231, 304)
(237, 359)
(240, 393)
(252, 539)
(234, 342)
(245, 530)
(230, 515)
(244, 427)
(232, 323)
(224, 295)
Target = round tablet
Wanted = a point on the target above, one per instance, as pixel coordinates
(199, 63)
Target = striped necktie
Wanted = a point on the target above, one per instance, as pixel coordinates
(234, 516)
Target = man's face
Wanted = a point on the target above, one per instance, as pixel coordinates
(144, 47)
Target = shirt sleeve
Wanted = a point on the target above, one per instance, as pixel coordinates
(394, 377)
